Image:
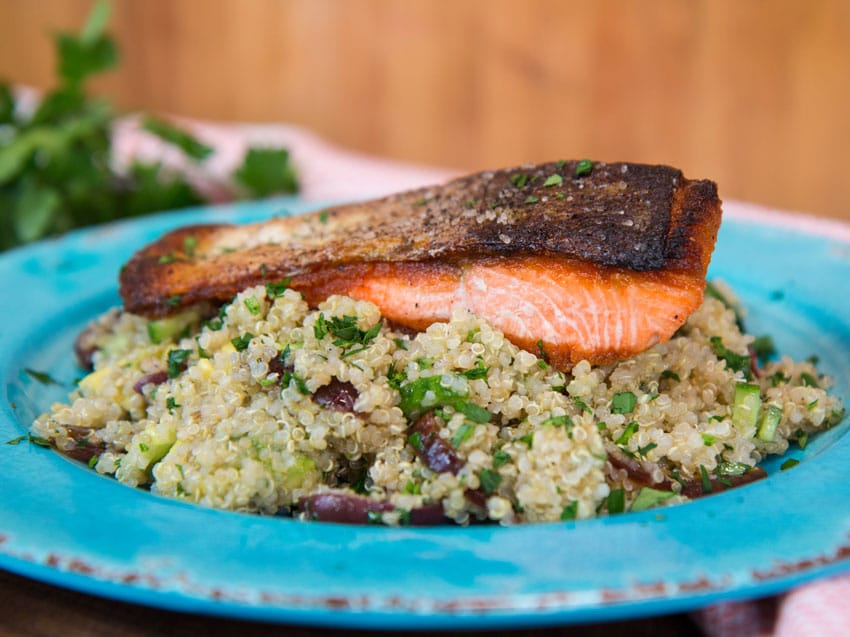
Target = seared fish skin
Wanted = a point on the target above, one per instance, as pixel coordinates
(596, 266)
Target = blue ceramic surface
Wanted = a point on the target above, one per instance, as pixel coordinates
(63, 524)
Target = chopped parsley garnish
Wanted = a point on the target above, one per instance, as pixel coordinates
(428, 392)
(584, 167)
(629, 431)
(42, 377)
(647, 448)
(540, 348)
(171, 405)
(553, 180)
(253, 305)
(395, 378)
(519, 180)
(277, 288)
(558, 421)
(623, 402)
(477, 372)
(763, 347)
(490, 480)
(346, 332)
(400, 343)
(578, 402)
(289, 377)
(570, 512)
(462, 434)
(500, 458)
(735, 362)
(177, 361)
(241, 342)
(807, 380)
(415, 441)
(189, 244)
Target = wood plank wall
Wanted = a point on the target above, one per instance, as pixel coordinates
(754, 94)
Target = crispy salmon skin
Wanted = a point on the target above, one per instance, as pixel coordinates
(568, 264)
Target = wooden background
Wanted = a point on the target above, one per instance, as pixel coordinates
(754, 94)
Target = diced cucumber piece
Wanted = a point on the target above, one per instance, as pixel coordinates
(170, 326)
(769, 422)
(746, 408)
(648, 498)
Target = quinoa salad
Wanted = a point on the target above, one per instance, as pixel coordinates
(268, 406)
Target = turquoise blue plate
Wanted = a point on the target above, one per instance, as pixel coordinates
(63, 524)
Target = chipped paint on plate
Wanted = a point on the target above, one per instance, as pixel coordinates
(63, 524)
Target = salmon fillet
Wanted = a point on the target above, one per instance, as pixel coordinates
(597, 266)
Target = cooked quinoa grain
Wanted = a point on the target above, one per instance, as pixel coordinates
(329, 413)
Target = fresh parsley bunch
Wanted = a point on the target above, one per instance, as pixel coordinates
(56, 168)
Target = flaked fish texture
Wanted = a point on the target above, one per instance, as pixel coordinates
(568, 264)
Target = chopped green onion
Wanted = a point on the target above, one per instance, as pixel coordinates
(553, 180)
(519, 179)
(415, 441)
(734, 361)
(253, 305)
(558, 421)
(788, 464)
(732, 469)
(808, 380)
(706, 481)
(276, 289)
(42, 377)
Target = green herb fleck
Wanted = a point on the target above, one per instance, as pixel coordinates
(623, 402)
(570, 512)
(667, 373)
(500, 458)
(241, 342)
(808, 380)
(628, 432)
(253, 305)
(462, 434)
(648, 498)
(323, 217)
(616, 502)
(584, 167)
(490, 480)
(476, 373)
(176, 361)
(519, 180)
(531, 199)
(560, 164)
(553, 180)
(42, 377)
(582, 405)
(735, 362)
(415, 441)
(276, 289)
(174, 300)
(171, 404)
(558, 421)
(706, 481)
(788, 464)
(708, 439)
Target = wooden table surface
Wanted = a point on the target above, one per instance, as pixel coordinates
(33, 609)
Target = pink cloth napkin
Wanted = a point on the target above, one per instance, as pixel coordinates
(327, 172)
